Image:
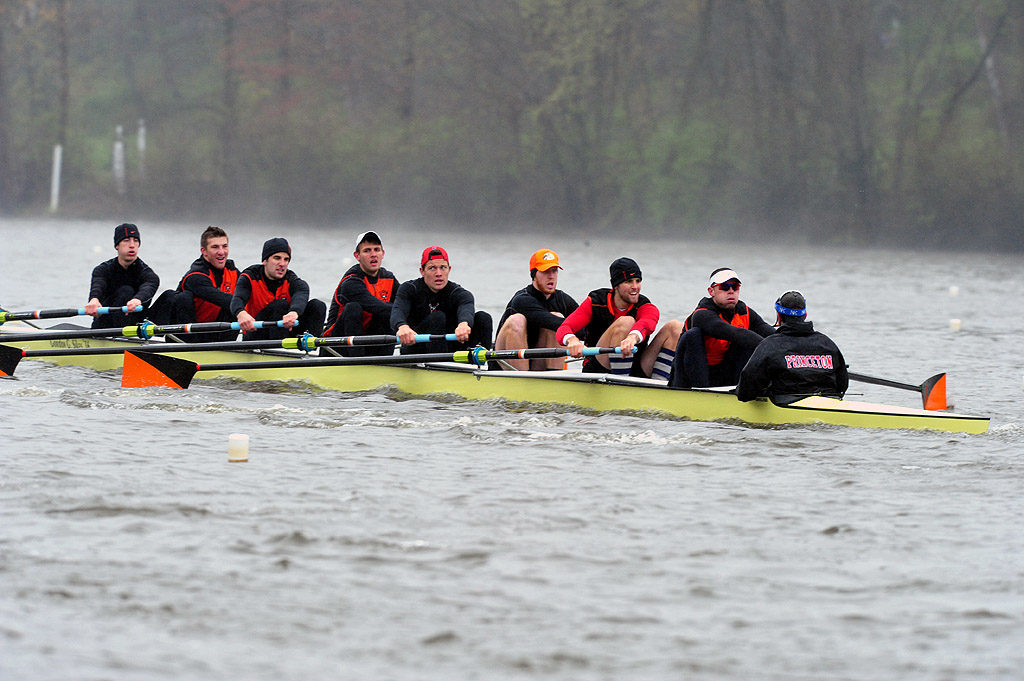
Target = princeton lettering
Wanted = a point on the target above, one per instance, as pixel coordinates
(809, 362)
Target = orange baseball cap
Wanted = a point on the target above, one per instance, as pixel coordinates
(544, 260)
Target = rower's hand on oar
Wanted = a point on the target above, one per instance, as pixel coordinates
(406, 336)
(290, 319)
(462, 332)
(92, 306)
(627, 344)
(574, 345)
(246, 322)
(133, 304)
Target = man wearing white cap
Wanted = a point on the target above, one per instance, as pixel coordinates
(362, 301)
(718, 337)
(534, 314)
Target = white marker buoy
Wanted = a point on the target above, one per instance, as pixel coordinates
(954, 291)
(238, 447)
(954, 324)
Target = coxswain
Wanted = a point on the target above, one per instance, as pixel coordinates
(535, 312)
(621, 317)
(434, 305)
(269, 292)
(718, 337)
(122, 281)
(363, 299)
(794, 362)
(204, 293)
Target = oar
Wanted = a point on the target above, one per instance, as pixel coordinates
(144, 330)
(146, 369)
(57, 313)
(933, 391)
(10, 356)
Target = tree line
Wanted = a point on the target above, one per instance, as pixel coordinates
(840, 121)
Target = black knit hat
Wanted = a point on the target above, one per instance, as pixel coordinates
(276, 245)
(623, 269)
(126, 230)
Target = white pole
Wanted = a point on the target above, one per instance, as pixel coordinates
(142, 150)
(119, 179)
(58, 152)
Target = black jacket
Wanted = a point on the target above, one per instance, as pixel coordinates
(792, 363)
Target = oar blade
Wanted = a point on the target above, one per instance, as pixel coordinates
(9, 358)
(150, 369)
(933, 393)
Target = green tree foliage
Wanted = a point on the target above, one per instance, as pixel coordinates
(862, 121)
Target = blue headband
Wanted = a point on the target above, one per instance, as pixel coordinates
(790, 312)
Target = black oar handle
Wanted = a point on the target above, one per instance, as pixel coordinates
(883, 381)
(58, 313)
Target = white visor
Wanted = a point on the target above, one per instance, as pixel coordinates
(723, 276)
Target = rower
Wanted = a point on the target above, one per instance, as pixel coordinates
(269, 291)
(795, 362)
(621, 317)
(204, 293)
(122, 281)
(718, 337)
(432, 304)
(363, 299)
(535, 312)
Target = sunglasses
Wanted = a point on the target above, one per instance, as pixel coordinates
(729, 286)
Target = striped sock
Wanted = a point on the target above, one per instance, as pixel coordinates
(663, 364)
(620, 366)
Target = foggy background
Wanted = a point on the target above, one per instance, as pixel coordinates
(864, 122)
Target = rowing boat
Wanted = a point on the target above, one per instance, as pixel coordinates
(596, 392)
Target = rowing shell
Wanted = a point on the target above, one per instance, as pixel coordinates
(596, 392)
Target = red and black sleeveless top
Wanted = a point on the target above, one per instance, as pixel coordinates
(604, 312)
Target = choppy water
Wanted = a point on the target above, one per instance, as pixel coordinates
(372, 536)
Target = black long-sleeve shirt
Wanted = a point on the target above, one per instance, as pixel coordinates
(353, 288)
(298, 289)
(109, 276)
(414, 301)
(537, 308)
(199, 284)
(713, 322)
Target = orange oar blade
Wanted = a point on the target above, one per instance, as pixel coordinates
(151, 369)
(933, 393)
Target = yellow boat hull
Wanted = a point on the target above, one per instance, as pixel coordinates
(599, 393)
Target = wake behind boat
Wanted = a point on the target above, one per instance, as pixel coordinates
(568, 389)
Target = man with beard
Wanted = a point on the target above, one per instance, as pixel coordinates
(269, 292)
(795, 362)
(620, 317)
(718, 336)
